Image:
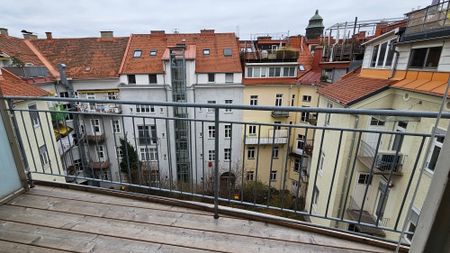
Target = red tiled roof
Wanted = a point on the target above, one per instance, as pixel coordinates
(12, 85)
(215, 62)
(274, 81)
(16, 47)
(85, 58)
(353, 88)
(311, 77)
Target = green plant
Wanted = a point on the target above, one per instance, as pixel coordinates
(129, 161)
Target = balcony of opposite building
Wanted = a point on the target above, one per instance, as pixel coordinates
(383, 162)
(269, 136)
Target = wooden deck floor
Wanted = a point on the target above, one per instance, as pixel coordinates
(49, 219)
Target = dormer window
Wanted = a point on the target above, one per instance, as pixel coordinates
(383, 54)
(423, 58)
(137, 53)
(206, 51)
(227, 51)
(153, 52)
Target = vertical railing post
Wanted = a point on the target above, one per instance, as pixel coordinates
(216, 164)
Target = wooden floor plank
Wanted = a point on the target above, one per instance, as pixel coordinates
(155, 234)
(192, 221)
(107, 199)
(8, 247)
(36, 238)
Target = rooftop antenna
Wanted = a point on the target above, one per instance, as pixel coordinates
(175, 30)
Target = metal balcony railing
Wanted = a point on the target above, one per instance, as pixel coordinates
(432, 21)
(218, 168)
(100, 107)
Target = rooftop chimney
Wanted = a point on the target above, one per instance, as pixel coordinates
(30, 36)
(4, 31)
(106, 34)
(157, 32)
(49, 35)
(318, 51)
(207, 31)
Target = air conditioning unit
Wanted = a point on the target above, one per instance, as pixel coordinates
(387, 160)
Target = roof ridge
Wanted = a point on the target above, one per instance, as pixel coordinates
(42, 58)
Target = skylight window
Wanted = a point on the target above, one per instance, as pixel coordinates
(206, 51)
(153, 52)
(137, 53)
(227, 51)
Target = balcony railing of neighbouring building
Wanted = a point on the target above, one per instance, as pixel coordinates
(29, 71)
(430, 22)
(228, 165)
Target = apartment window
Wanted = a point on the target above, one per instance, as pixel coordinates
(293, 100)
(436, 150)
(43, 155)
(274, 71)
(381, 55)
(373, 61)
(315, 199)
(382, 199)
(206, 51)
(211, 102)
(131, 79)
(100, 152)
(229, 77)
(398, 138)
(251, 153)
(249, 72)
(228, 102)
(256, 72)
(321, 162)
(364, 178)
(413, 220)
(146, 135)
(211, 77)
(148, 154)
(112, 95)
(252, 130)
(254, 100)
(152, 78)
(227, 131)
(327, 75)
(64, 94)
(211, 155)
(306, 98)
(34, 115)
(273, 175)
(116, 126)
(119, 153)
(300, 141)
(153, 52)
(227, 52)
(425, 57)
(145, 108)
(297, 165)
(376, 122)
(289, 71)
(278, 99)
(95, 123)
(250, 175)
(277, 125)
(275, 152)
(390, 54)
(305, 116)
(137, 53)
(211, 131)
(227, 154)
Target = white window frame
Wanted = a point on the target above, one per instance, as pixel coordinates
(148, 153)
(251, 153)
(366, 180)
(252, 130)
(211, 110)
(386, 53)
(306, 98)
(229, 77)
(34, 116)
(228, 102)
(100, 150)
(253, 99)
(211, 155)
(227, 131)
(113, 95)
(273, 175)
(250, 175)
(211, 132)
(278, 99)
(438, 144)
(95, 123)
(145, 109)
(116, 127)
(227, 154)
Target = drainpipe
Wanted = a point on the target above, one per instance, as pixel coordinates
(347, 170)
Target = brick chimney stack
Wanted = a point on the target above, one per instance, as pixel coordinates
(4, 31)
(49, 35)
(318, 51)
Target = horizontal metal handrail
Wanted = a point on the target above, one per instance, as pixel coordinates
(384, 112)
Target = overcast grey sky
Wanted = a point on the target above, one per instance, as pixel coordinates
(87, 17)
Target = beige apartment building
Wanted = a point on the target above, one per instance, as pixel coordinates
(398, 73)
